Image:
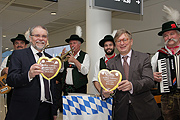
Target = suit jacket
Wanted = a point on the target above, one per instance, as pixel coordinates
(26, 95)
(141, 77)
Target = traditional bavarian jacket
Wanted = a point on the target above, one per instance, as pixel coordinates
(164, 52)
(78, 78)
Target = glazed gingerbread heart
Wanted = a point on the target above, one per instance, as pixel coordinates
(50, 67)
(109, 80)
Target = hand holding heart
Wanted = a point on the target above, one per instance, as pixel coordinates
(125, 85)
(35, 69)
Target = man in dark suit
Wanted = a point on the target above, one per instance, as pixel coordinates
(29, 100)
(133, 99)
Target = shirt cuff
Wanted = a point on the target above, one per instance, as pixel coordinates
(131, 91)
(30, 79)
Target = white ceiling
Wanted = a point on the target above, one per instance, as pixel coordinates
(16, 16)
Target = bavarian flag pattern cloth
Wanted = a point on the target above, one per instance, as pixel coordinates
(86, 108)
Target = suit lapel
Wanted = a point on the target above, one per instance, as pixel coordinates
(133, 62)
(31, 56)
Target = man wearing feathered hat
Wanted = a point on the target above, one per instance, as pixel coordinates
(171, 35)
(170, 98)
(76, 68)
(109, 46)
(19, 42)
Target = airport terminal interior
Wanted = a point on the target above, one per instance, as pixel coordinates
(61, 18)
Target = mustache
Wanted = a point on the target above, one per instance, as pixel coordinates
(19, 47)
(175, 40)
(108, 49)
(42, 42)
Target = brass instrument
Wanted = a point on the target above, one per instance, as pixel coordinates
(64, 57)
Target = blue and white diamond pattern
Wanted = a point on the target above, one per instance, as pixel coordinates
(85, 107)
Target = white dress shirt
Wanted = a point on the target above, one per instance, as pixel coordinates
(40, 76)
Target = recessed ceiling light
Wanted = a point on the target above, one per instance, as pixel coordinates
(53, 13)
(4, 36)
(11, 50)
(6, 48)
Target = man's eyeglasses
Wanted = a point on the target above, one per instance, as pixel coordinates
(38, 36)
(123, 40)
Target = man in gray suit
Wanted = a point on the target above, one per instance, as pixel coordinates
(133, 99)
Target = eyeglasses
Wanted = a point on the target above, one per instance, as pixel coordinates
(123, 40)
(38, 36)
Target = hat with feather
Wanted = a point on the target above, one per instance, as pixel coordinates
(172, 17)
(76, 36)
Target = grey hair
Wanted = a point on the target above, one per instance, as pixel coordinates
(31, 30)
(122, 31)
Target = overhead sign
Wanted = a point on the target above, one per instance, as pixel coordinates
(132, 6)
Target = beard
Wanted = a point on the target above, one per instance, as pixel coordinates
(109, 53)
(39, 47)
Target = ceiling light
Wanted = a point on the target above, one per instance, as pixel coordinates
(52, 0)
(53, 13)
(4, 36)
(6, 48)
(11, 50)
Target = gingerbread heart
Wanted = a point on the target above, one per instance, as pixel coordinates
(109, 80)
(50, 67)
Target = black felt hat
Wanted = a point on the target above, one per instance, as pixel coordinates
(171, 25)
(20, 37)
(106, 38)
(74, 37)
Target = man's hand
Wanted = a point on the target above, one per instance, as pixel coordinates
(71, 58)
(157, 76)
(4, 71)
(35, 69)
(125, 85)
(63, 52)
(106, 94)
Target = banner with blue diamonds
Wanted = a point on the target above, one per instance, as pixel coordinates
(86, 108)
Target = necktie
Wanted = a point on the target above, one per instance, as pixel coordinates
(46, 83)
(126, 66)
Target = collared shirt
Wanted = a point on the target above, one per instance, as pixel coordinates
(96, 70)
(40, 76)
(84, 68)
(128, 61)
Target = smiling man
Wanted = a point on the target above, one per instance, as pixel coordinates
(109, 46)
(133, 99)
(75, 70)
(170, 105)
(33, 96)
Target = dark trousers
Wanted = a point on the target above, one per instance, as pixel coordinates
(59, 96)
(44, 112)
(131, 113)
(9, 95)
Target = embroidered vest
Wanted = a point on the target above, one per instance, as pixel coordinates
(79, 79)
(102, 64)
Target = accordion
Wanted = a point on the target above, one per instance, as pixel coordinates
(169, 67)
